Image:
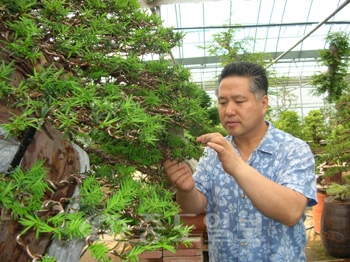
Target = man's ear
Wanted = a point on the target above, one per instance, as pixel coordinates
(264, 103)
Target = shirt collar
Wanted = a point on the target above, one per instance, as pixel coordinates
(267, 144)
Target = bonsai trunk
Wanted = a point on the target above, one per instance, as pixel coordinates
(61, 160)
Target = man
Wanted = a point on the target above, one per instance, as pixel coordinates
(255, 183)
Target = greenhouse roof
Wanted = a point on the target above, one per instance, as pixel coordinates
(291, 32)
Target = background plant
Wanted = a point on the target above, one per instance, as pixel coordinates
(316, 130)
(336, 58)
(337, 149)
(229, 48)
(289, 121)
(340, 192)
(335, 84)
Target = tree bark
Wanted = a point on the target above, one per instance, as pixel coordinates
(61, 160)
(71, 250)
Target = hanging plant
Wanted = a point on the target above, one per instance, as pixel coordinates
(336, 58)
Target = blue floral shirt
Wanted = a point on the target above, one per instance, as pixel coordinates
(237, 231)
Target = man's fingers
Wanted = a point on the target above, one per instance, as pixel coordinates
(180, 180)
(179, 174)
(168, 163)
(211, 137)
(218, 148)
(175, 169)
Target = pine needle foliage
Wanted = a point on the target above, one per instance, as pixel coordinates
(84, 68)
(132, 208)
(340, 192)
(88, 77)
(23, 193)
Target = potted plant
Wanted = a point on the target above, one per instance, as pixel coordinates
(334, 85)
(323, 181)
(335, 221)
(81, 69)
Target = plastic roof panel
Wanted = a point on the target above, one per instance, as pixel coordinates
(276, 25)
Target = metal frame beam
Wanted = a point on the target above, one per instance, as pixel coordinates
(260, 25)
(303, 56)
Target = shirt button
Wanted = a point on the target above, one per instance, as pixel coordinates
(242, 195)
(242, 220)
(242, 244)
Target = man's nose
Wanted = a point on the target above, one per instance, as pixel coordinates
(231, 109)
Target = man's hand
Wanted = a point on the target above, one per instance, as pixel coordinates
(226, 152)
(189, 198)
(179, 175)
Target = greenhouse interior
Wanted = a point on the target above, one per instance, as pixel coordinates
(174, 130)
(291, 33)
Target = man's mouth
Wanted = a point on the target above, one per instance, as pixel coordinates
(231, 123)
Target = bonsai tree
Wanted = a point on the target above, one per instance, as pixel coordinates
(225, 45)
(340, 192)
(334, 84)
(336, 58)
(315, 130)
(228, 48)
(82, 68)
(334, 218)
(289, 121)
(337, 151)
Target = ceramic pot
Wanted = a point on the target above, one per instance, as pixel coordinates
(317, 210)
(336, 178)
(335, 228)
(198, 222)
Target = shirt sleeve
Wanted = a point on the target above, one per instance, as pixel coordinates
(297, 171)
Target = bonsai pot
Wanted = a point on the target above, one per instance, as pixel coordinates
(322, 185)
(335, 227)
(197, 221)
(317, 210)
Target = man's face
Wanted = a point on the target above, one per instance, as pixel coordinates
(239, 111)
